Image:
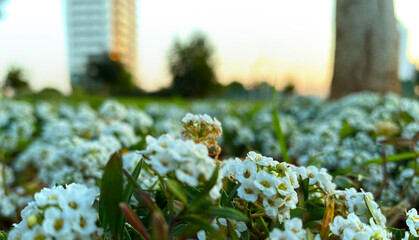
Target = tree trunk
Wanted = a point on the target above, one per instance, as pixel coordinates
(366, 54)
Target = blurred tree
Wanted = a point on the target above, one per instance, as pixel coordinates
(366, 54)
(105, 73)
(191, 67)
(289, 88)
(16, 81)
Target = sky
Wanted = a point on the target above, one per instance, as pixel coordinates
(278, 41)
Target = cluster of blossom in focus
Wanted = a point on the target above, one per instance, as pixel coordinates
(264, 181)
(203, 129)
(189, 161)
(272, 184)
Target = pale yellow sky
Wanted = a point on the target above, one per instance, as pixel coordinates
(270, 40)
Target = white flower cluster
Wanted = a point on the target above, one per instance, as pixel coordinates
(188, 160)
(265, 181)
(353, 228)
(412, 222)
(71, 144)
(166, 118)
(75, 143)
(59, 213)
(293, 230)
(355, 202)
(70, 160)
(318, 177)
(358, 220)
(147, 179)
(16, 124)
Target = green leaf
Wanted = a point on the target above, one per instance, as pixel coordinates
(280, 135)
(304, 186)
(178, 229)
(346, 130)
(210, 184)
(297, 212)
(344, 182)
(224, 202)
(111, 195)
(233, 192)
(129, 189)
(199, 221)
(398, 234)
(191, 192)
(265, 226)
(315, 213)
(177, 190)
(126, 234)
(226, 213)
(3, 235)
(245, 235)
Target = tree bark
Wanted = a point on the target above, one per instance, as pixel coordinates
(366, 53)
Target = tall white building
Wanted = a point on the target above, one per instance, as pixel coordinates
(95, 27)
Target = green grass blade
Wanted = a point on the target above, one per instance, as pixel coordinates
(129, 189)
(393, 158)
(280, 135)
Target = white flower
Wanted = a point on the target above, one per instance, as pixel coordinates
(77, 198)
(248, 191)
(338, 225)
(238, 226)
(259, 159)
(185, 173)
(277, 234)
(35, 233)
(413, 222)
(112, 110)
(201, 235)
(59, 213)
(378, 232)
(56, 223)
(85, 222)
(272, 205)
(284, 187)
(48, 196)
(267, 183)
(352, 234)
(246, 170)
(406, 236)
